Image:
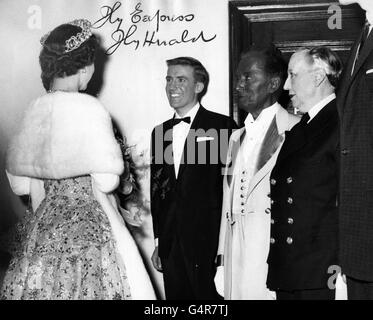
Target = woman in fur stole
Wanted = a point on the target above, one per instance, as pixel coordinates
(74, 243)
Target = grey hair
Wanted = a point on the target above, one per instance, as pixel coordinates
(327, 60)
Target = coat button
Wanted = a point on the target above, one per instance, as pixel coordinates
(242, 196)
(272, 201)
(289, 180)
(243, 180)
(267, 211)
(272, 240)
(242, 203)
(290, 200)
(243, 211)
(273, 182)
(242, 188)
(290, 220)
(272, 221)
(289, 240)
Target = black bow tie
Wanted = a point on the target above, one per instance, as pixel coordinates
(176, 121)
(305, 118)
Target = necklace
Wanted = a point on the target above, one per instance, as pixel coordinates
(60, 90)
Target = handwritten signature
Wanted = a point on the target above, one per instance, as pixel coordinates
(127, 36)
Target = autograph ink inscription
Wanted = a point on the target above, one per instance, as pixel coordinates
(129, 36)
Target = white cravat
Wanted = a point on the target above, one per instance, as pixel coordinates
(179, 134)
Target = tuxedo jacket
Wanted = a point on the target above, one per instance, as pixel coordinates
(244, 238)
(304, 186)
(189, 206)
(355, 106)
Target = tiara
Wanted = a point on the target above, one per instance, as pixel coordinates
(75, 42)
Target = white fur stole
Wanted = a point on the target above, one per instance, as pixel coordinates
(64, 135)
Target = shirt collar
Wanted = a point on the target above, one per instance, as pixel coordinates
(321, 104)
(369, 19)
(265, 116)
(191, 113)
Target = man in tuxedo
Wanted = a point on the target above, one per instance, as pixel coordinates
(355, 107)
(188, 155)
(304, 183)
(245, 223)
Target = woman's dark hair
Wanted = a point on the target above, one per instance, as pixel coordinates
(55, 62)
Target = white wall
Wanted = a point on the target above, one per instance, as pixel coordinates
(133, 88)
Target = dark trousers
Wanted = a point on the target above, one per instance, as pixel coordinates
(185, 279)
(310, 294)
(359, 290)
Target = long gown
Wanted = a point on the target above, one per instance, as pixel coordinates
(66, 249)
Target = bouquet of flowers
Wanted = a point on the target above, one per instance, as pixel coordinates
(128, 192)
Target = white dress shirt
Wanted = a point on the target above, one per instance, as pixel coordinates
(179, 134)
(249, 150)
(318, 106)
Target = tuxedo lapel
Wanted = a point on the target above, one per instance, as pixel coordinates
(366, 50)
(270, 148)
(297, 137)
(236, 144)
(347, 78)
(316, 126)
(168, 166)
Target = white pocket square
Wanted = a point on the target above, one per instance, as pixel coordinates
(369, 71)
(199, 139)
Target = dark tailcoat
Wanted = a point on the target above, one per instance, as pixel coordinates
(189, 207)
(304, 185)
(355, 106)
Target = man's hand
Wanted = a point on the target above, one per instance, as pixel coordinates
(219, 280)
(156, 260)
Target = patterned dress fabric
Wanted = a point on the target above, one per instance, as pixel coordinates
(65, 249)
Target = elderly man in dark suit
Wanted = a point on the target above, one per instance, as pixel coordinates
(355, 106)
(304, 183)
(188, 155)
